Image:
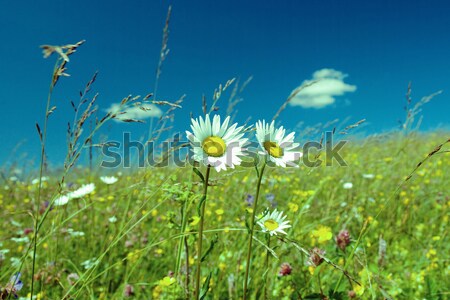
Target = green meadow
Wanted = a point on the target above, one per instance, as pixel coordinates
(136, 237)
(371, 225)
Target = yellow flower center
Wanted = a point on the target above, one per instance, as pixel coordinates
(271, 224)
(214, 146)
(273, 148)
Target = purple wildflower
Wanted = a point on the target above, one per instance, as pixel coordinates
(128, 291)
(315, 257)
(72, 278)
(271, 199)
(27, 231)
(250, 200)
(343, 239)
(285, 269)
(14, 285)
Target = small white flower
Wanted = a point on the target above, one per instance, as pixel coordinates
(109, 179)
(215, 144)
(84, 190)
(368, 176)
(113, 219)
(36, 180)
(274, 223)
(87, 264)
(24, 239)
(3, 252)
(74, 233)
(61, 200)
(347, 185)
(15, 262)
(277, 147)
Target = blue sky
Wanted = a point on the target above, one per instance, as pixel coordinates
(374, 47)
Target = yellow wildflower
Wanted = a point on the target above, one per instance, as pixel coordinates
(322, 234)
(166, 281)
(293, 207)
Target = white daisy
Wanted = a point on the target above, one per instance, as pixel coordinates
(216, 144)
(277, 147)
(61, 200)
(109, 179)
(84, 190)
(274, 223)
(368, 176)
(347, 185)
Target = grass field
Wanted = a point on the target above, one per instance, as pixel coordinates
(136, 237)
(374, 227)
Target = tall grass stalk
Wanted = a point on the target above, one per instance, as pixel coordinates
(183, 243)
(43, 137)
(200, 233)
(266, 265)
(162, 57)
(252, 227)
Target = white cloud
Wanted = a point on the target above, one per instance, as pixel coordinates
(329, 84)
(135, 112)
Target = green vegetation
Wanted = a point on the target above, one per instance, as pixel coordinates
(127, 236)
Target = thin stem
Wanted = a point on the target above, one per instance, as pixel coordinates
(186, 249)
(350, 256)
(320, 283)
(200, 234)
(180, 244)
(183, 244)
(252, 226)
(267, 268)
(162, 56)
(41, 171)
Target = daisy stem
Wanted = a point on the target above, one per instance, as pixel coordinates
(200, 234)
(267, 268)
(252, 225)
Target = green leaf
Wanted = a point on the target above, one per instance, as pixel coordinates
(431, 287)
(211, 247)
(336, 295)
(205, 287)
(247, 225)
(199, 174)
(199, 207)
(256, 168)
(267, 248)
